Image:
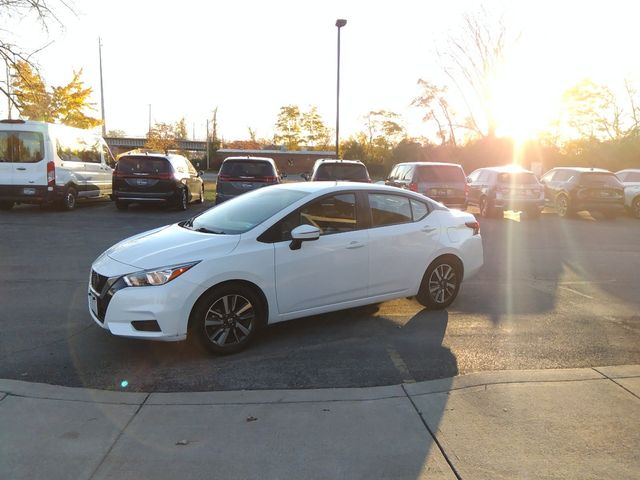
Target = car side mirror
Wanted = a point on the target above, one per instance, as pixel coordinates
(306, 176)
(303, 233)
(200, 173)
(468, 179)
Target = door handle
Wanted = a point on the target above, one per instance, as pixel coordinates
(20, 168)
(429, 229)
(353, 245)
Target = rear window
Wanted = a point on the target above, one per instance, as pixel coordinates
(523, 178)
(21, 147)
(146, 165)
(600, 179)
(247, 169)
(440, 173)
(342, 171)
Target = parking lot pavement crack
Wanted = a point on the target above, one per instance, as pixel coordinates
(617, 383)
(433, 436)
(58, 399)
(108, 452)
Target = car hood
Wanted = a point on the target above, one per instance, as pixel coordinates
(171, 245)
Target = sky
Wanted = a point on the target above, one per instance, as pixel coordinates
(249, 58)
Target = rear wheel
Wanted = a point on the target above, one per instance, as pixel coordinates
(562, 205)
(226, 319)
(441, 283)
(69, 199)
(183, 199)
(635, 207)
(6, 205)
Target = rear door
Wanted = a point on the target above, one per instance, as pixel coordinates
(26, 166)
(96, 172)
(401, 240)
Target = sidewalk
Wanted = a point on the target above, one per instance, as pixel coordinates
(564, 424)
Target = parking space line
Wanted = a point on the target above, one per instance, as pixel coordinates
(576, 292)
(401, 367)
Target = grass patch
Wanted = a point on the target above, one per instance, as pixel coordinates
(209, 191)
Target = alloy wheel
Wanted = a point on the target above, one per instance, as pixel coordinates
(229, 320)
(442, 283)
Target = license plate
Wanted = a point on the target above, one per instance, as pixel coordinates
(29, 191)
(93, 303)
(442, 193)
(247, 185)
(142, 181)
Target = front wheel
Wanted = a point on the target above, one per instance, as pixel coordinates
(562, 205)
(228, 318)
(440, 284)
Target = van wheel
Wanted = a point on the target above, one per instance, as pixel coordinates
(441, 283)
(122, 206)
(183, 199)
(6, 205)
(69, 199)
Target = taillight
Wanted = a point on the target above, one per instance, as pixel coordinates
(271, 179)
(51, 174)
(475, 226)
(413, 186)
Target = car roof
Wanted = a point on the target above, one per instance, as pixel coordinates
(629, 170)
(436, 164)
(337, 186)
(507, 169)
(584, 169)
(262, 159)
(338, 160)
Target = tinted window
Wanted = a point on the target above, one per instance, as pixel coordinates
(389, 209)
(143, 164)
(242, 213)
(21, 147)
(407, 173)
(563, 176)
(341, 171)
(598, 179)
(440, 174)
(334, 214)
(419, 210)
(247, 169)
(520, 178)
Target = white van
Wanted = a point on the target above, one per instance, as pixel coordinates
(43, 163)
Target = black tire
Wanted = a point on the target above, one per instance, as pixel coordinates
(563, 207)
(228, 326)
(122, 205)
(635, 208)
(441, 283)
(6, 205)
(183, 199)
(69, 199)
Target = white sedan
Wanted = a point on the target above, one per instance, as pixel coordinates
(630, 178)
(279, 253)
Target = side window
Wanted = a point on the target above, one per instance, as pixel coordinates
(74, 148)
(484, 176)
(333, 214)
(562, 176)
(473, 176)
(548, 176)
(408, 174)
(389, 209)
(393, 174)
(419, 210)
(191, 168)
(21, 147)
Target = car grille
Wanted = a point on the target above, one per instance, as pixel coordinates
(98, 281)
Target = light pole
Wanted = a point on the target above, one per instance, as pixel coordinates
(339, 23)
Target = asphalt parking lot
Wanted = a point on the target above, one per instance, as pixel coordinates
(553, 293)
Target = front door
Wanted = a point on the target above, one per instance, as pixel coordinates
(328, 271)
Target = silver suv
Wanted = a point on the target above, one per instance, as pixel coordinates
(240, 175)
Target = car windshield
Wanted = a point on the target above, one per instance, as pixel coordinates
(520, 178)
(143, 164)
(242, 213)
(247, 169)
(599, 179)
(440, 173)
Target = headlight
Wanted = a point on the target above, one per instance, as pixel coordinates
(158, 276)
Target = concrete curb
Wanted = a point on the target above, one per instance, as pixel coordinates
(54, 392)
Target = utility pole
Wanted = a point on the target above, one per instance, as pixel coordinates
(341, 22)
(104, 126)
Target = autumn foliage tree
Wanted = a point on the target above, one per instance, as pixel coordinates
(165, 136)
(295, 128)
(65, 104)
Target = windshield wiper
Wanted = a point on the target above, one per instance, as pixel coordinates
(206, 230)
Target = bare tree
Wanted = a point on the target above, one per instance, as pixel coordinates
(432, 99)
(471, 60)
